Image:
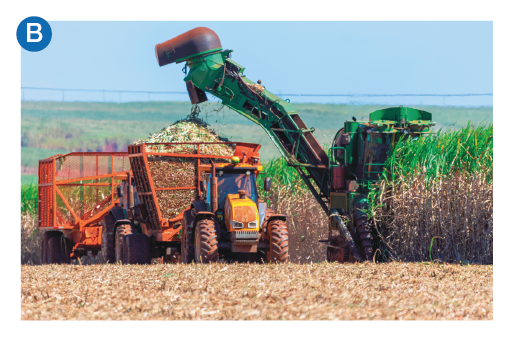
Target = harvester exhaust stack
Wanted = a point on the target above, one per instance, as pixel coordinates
(198, 41)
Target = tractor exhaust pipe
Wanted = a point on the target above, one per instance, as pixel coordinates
(214, 189)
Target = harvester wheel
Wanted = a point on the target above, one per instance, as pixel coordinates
(279, 246)
(121, 232)
(187, 250)
(137, 249)
(206, 241)
(57, 250)
(364, 230)
(341, 252)
(108, 252)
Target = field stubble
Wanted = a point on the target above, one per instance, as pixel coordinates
(320, 291)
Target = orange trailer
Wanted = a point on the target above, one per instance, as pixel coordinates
(75, 192)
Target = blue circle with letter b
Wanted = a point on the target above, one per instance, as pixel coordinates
(34, 34)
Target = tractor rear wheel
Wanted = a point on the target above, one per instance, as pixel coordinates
(121, 232)
(279, 246)
(187, 250)
(206, 242)
(137, 249)
(108, 251)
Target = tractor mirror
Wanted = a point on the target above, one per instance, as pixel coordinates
(202, 186)
(267, 184)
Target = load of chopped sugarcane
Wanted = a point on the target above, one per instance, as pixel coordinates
(170, 172)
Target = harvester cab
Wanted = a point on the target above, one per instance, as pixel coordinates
(229, 220)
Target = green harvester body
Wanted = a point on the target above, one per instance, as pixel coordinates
(340, 180)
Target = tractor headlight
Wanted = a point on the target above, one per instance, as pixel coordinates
(253, 224)
(237, 225)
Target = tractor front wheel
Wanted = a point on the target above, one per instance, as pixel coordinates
(206, 242)
(279, 246)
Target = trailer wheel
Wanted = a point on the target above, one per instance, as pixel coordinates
(121, 232)
(108, 252)
(279, 246)
(57, 251)
(44, 248)
(187, 250)
(206, 242)
(137, 249)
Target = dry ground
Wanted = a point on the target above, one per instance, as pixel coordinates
(258, 292)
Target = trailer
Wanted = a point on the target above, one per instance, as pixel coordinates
(75, 192)
(131, 207)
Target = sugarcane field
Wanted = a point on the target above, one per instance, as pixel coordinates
(233, 200)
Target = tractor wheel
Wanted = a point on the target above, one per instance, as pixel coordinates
(121, 232)
(206, 242)
(187, 250)
(279, 246)
(57, 250)
(137, 249)
(108, 251)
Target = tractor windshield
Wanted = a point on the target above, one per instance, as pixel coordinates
(231, 182)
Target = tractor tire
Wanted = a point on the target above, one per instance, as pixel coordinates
(121, 232)
(206, 242)
(279, 246)
(137, 249)
(57, 250)
(108, 250)
(187, 250)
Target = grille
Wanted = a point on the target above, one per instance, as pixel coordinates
(246, 235)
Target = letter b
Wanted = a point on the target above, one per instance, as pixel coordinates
(30, 32)
(34, 34)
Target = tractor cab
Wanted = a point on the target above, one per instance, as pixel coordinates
(231, 180)
(231, 193)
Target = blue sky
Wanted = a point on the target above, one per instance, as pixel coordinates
(289, 57)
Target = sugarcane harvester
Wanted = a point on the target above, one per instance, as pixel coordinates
(340, 180)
